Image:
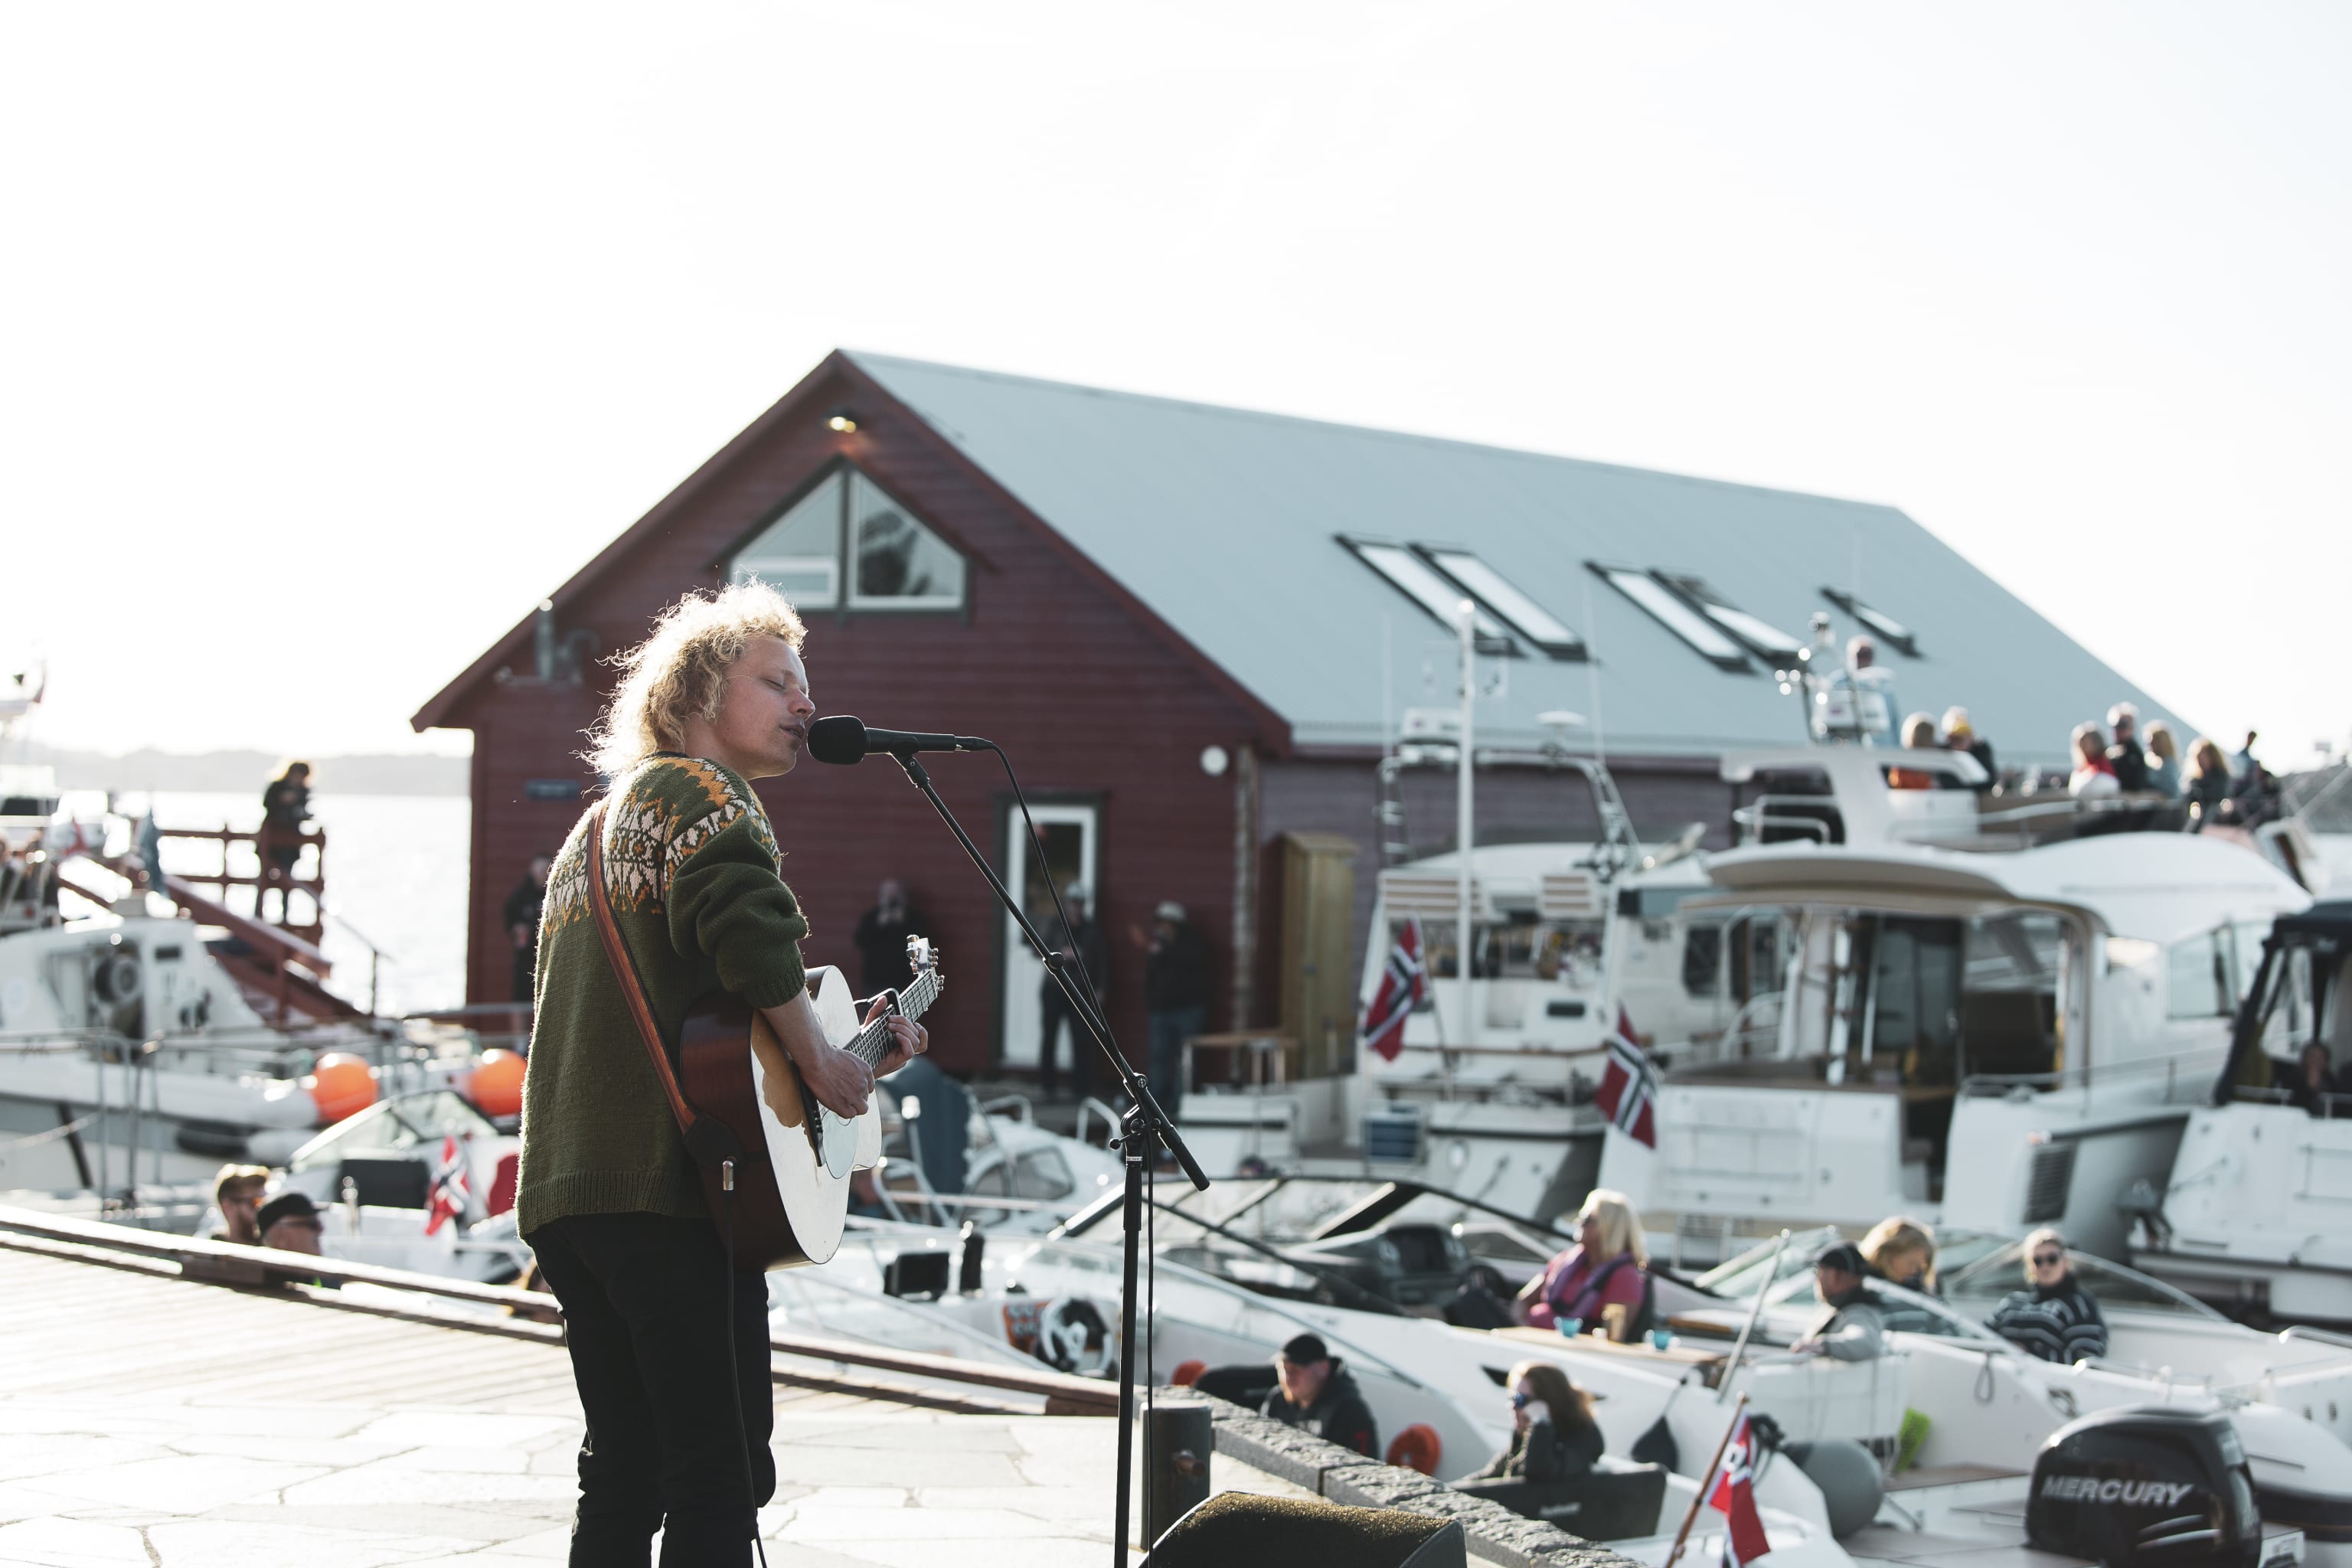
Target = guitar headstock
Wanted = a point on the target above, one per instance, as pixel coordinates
(924, 959)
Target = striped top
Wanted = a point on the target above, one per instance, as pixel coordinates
(2061, 1323)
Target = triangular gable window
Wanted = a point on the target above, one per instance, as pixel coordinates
(894, 561)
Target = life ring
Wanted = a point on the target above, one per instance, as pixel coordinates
(1187, 1373)
(1417, 1449)
(1074, 1336)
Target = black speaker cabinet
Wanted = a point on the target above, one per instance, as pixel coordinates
(1237, 1530)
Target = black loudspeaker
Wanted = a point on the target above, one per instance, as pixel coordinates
(1237, 1530)
(1178, 1442)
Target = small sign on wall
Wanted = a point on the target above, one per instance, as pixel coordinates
(551, 789)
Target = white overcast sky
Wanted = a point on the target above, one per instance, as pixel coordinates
(336, 336)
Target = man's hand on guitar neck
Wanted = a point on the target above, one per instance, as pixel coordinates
(841, 1083)
(908, 1039)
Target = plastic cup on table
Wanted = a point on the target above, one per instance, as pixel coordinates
(1662, 1339)
(1571, 1327)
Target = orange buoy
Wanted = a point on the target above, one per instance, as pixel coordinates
(1187, 1373)
(340, 1085)
(496, 1088)
(1417, 1449)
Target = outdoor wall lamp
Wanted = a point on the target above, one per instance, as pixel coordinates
(843, 421)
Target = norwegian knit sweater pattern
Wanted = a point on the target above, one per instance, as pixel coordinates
(693, 872)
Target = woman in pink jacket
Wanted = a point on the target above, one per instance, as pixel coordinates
(1605, 1266)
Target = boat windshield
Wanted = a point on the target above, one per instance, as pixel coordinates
(1903, 1311)
(394, 1126)
(1975, 1278)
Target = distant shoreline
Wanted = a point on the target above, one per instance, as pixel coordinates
(238, 772)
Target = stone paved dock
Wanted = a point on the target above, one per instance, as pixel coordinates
(150, 1420)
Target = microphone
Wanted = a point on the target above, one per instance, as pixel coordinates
(843, 739)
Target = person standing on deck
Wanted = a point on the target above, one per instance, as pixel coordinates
(284, 808)
(881, 940)
(1175, 995)
(606, 1195)
(521, 915)
(1081, 939)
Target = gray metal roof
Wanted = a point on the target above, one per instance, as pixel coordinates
(1225, 523)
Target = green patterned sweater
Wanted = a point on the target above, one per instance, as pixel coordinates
(692, 868)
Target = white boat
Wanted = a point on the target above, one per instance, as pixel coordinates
(2256, 1211)
(1980, 1020)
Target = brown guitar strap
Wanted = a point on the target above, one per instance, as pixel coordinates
(625, 970)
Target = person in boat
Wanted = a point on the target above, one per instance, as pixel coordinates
(2053, 1317)
(284, 808)
(2209, 786)
(2126, 758)
(1553, 1435)
(2093, 775)
(1902, 1251)
(237, 1193)
(1918, 735)
(2163, 761)
(1609, 1266)
(521, 915)
(1869, 691)
(2242, 765)
(1850, 1326)
(1960, 735)
(669, 1341)
(2315, 1086)
(289, 1222)
(1314, 1392)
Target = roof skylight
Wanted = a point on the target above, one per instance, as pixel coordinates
(1889, 630)
(1761, 637)
(1498, 594)
(1669, 610)
(1419, 582)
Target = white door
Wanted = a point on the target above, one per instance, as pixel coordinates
(1070, 835)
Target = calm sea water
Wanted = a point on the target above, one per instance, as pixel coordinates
(396, 870)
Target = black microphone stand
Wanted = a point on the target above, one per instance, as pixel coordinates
(1144, 1127)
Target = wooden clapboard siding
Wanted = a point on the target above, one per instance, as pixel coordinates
(1088, 694)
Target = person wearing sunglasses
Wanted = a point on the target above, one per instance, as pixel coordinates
(2054, 1317)
(1553, 1435)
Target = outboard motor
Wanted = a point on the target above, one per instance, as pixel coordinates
(2146, 1484)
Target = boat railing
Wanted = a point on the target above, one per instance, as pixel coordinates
(2188, 1072)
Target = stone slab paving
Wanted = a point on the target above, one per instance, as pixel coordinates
(146, 1455)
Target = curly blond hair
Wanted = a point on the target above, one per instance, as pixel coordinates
(680, 670)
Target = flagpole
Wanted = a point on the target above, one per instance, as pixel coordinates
(1707, 1484)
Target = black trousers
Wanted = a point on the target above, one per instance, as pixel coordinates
(1056, 1009)
(647, 1300)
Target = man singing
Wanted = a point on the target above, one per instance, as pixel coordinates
(606, 1194)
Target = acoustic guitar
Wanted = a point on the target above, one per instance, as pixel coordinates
(792, 1186)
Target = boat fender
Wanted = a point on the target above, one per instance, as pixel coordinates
(1848, 1479)
(1187, 1373)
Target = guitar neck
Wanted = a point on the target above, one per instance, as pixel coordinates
(873, 1042)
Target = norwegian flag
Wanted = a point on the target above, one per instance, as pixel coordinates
(1629, 1088)
(447, 1200)
(1404, 983)
(1734, 1494)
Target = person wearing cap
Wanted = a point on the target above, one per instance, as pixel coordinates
(1850, 1326)
(1175, 994)
(1315, 1393)
(1080, 937)
(289, 1222)
(1960, 735)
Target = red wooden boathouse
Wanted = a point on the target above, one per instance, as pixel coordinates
(1192, 629)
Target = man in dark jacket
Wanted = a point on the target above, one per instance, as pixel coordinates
(1319, 1395)
(2126, 756)
(522, 916)
(1175, 995)
(1083, 939)
(881, 941)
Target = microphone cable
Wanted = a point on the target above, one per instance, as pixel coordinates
(1085, 994)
